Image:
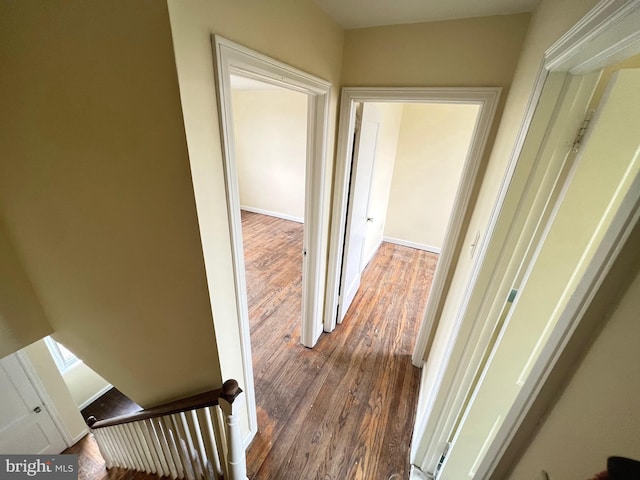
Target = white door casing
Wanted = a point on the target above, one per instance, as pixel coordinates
(26, 426)
(357, 212)
(487, 100)
(231, 57)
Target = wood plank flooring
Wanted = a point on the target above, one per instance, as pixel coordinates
(91, 465)
(345, 409)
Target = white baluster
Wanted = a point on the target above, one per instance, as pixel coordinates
(134, 452)
(196, 431)
(164, 445)
(104, 448)
(182, 447)
(174, 442)
(146, 452)
(115, 447)
(190, 445)
(231, 403)
(210, 441)
(156, 449)
(219, 429)
(127, 447)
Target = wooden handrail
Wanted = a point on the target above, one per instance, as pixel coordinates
(229, 391)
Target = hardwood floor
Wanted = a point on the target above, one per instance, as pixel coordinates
(345, 409)
(91, 465)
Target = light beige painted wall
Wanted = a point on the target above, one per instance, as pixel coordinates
(296, 32)
(83, 384)
(432, 150)
(96, 191)
(597, 415)
(270, 128)
(48, 374)
(466, 52)
(22, 319)
(389, 116)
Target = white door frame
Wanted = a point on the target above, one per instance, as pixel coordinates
(487, 99)
(605, 35)
(233, 58)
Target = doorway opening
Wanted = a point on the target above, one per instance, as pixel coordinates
(406, 167)
(270, 127)
(235, 60)
(481, 104)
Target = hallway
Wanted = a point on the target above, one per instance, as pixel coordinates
(346, 408)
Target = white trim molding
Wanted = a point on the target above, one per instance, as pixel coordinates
(95, 396)
(487, 99)
(407, 243)
(232, 58)
(269, 213)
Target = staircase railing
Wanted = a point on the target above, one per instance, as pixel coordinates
(196, 438)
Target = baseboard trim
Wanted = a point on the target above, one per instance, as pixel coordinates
(95, 396)
(417, 474)
(406, 243)
(284, 216)
(79, 437)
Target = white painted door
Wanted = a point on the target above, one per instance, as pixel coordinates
(603, 181)
(364, 154)
(25, 424)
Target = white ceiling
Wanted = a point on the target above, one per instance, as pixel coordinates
(369, 13)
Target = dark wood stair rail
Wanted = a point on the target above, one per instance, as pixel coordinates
(194, 438)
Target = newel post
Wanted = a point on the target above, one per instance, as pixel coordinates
(231, 402)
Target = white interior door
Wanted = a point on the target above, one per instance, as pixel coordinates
(604, 177)
(364, 154)
(26, 426)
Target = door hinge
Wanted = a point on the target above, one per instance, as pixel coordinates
(577, 142)
(358, 123)
(443, 457)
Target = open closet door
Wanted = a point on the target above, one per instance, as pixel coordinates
(364, 154)
(596, 210)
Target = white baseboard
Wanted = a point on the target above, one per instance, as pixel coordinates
(406, 243)
(79, 437)
(417, 474)
(284, 216)
(94, 397)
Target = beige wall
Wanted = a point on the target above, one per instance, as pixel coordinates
(388, 116)
(467, 52)
(597, 415)
(432, 149)
(96, 191)
(84, 384)
(296, 32)
(270, 128)
(22, 319)
(50, 378)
